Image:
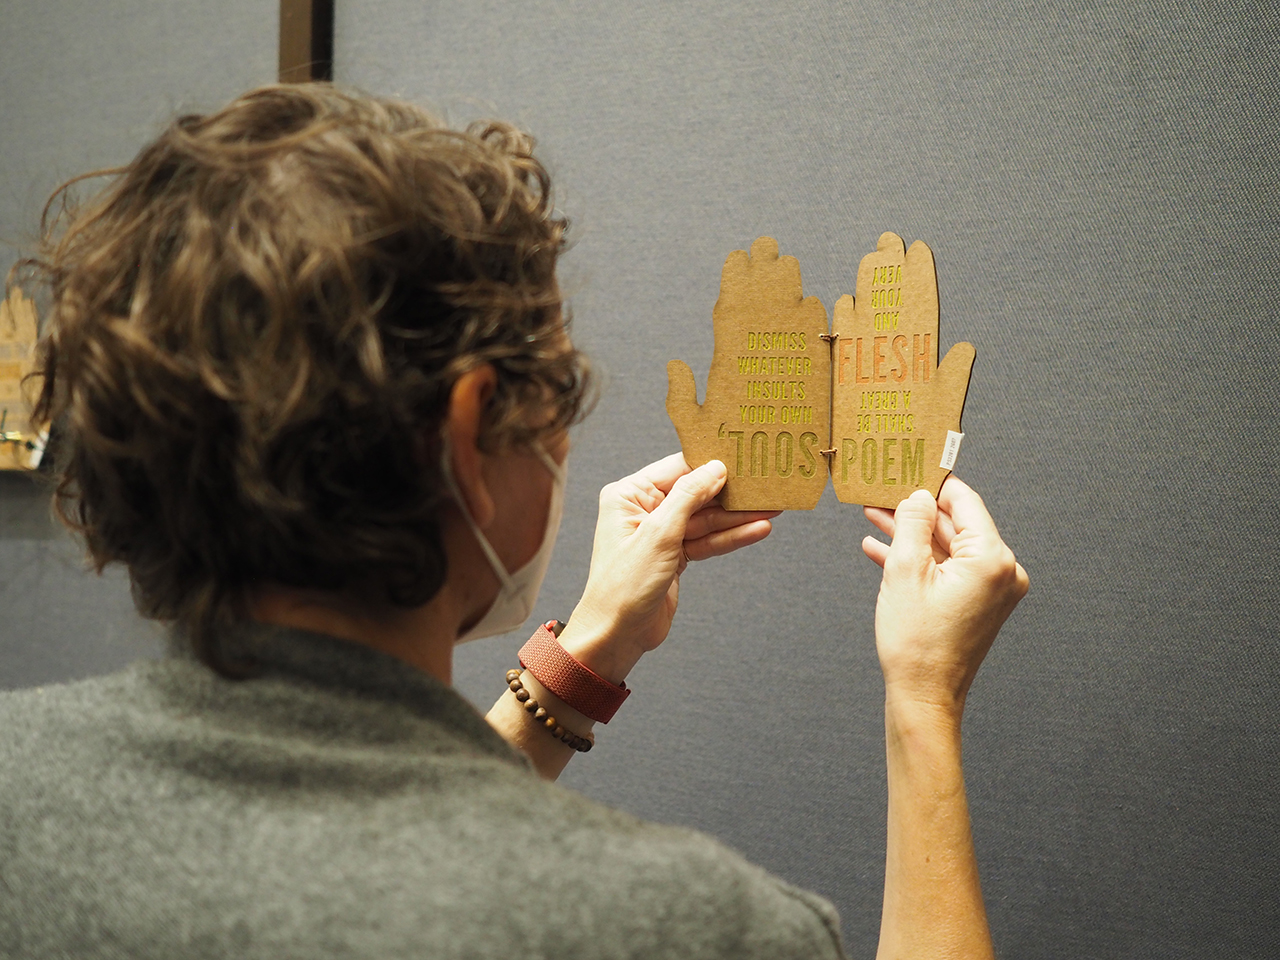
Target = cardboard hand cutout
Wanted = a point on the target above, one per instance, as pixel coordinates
(766, 412)
(894, 407)
(787, 403)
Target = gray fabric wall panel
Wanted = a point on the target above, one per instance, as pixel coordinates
(1098, 182)
(85, 85)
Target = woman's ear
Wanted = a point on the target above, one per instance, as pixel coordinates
(467, 401)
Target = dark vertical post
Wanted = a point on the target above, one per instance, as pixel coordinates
(306, 40)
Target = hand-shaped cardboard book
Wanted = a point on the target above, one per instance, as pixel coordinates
(789, 403)
(20, 446)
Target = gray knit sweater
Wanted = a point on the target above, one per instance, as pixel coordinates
(339, 804)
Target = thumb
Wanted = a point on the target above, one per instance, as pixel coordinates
(682, 393)
(951, 382)
(690, 494)
(911, 551)
(958, 363)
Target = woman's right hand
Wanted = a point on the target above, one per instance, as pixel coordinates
(651, 524)
(949, 584)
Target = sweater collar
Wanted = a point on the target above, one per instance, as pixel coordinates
(321, 660)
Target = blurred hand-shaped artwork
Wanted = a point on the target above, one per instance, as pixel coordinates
(21, 445)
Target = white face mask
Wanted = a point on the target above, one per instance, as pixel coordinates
(518, 591)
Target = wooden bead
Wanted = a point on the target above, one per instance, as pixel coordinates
(567, 737)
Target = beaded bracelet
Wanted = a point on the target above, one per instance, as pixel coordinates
(568, 737)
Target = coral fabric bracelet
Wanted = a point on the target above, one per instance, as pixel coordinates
(590, 694)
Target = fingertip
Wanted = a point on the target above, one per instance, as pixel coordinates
(954, 487)
(892, 243)
(696, 489)
(679, 374)
(752, 533)
(715, 473)
(966, 506)
(682, 388)
(918, 502)
(875, 550)
(764, 248)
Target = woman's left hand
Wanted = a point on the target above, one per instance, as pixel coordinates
(651, 525)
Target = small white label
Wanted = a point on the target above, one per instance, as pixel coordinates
(37, 450)
(951, 449)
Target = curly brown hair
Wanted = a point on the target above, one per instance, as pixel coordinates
(253, 332)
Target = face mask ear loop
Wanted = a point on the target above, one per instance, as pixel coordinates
(446, 467)
(557, 471)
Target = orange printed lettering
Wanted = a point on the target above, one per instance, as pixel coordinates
(921, 358)
(878, 359)
(857, 364)
(899, 371)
